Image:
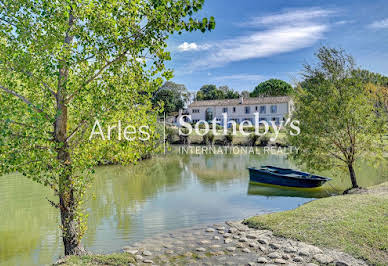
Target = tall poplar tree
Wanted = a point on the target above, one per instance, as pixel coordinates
(64, 64)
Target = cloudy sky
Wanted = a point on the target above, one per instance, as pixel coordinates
(257, 40)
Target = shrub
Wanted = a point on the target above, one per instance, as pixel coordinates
(228, 138)
(208, 138)
(264, 140)
(252, 139)
(184, 139)
(171, 134)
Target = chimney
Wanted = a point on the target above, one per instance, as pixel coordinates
(241, 100)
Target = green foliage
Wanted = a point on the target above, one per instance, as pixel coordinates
(228, 138)
(171, 134)
(252, 139)
(377, 85)
(264, 140)
(184, 138)
(208, 138)
(66, 64)
(338, 124)
(211, 92)
(173, 96)
(110, 259)
(272, 87)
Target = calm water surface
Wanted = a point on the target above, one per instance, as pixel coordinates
(128, 204)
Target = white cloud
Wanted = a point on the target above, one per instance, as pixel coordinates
(291, 16)
(184, 47)
(380, 24)
(271, 35)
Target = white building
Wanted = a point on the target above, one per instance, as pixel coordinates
(269, 109)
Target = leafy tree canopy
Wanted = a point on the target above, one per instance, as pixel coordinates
(377, 85)
(211, 92)
(173, 96)
(65, 64)
(272, 87)
(337, 117)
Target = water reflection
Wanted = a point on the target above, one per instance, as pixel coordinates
(127, 204)
(272, 191)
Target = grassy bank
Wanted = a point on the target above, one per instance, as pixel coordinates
(356, 224)
(110, 259)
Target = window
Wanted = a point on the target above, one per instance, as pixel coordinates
(256, 108)
(195, 110)
(209, 114)
(247, 109)
(234, 109)
(195, 121)
(262, 109)
(225, 110)
(274, 109)
(263, 119)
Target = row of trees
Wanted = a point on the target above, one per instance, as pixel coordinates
(343, 110)
(175, 96)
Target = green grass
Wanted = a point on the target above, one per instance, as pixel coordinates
(111, 259)
(356, 224)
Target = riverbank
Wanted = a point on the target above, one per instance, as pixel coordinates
(355, 224)
(340, 230)
(232, 243)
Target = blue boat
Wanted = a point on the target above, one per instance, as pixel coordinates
(285, 177)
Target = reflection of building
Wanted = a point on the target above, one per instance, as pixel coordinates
(268, 108)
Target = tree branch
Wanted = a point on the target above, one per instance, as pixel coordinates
(24, 100)
(18, 123)
(45, 85)
(92, 78)
(83, 122)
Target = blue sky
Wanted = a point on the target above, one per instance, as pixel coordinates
(257, 40)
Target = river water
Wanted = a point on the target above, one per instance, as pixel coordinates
(128, 204)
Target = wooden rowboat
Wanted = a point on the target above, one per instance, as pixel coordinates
(285, 177)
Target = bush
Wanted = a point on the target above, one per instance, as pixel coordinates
(252, 129)
(184, 139)
(252, 139)
(171, 134)
(264, 140)
(208, 138)
(228, 138)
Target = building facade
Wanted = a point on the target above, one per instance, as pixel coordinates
(242, 109)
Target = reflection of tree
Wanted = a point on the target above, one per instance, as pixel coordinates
(224, 168)
(27, 222)
(28, 225)
(120, 190)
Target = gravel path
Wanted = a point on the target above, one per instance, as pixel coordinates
(232, 243)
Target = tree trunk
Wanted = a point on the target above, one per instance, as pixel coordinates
(68, 201)
(71, 232)
(70, 225)
(352, 176)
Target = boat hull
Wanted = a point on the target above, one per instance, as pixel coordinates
(259, 176)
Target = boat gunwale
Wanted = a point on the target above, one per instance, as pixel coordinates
(309, 177)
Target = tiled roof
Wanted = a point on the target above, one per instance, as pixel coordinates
(245, 101)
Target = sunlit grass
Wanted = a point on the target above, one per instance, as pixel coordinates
(356, 224)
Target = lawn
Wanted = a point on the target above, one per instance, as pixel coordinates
(356, 224)
(110, 259)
